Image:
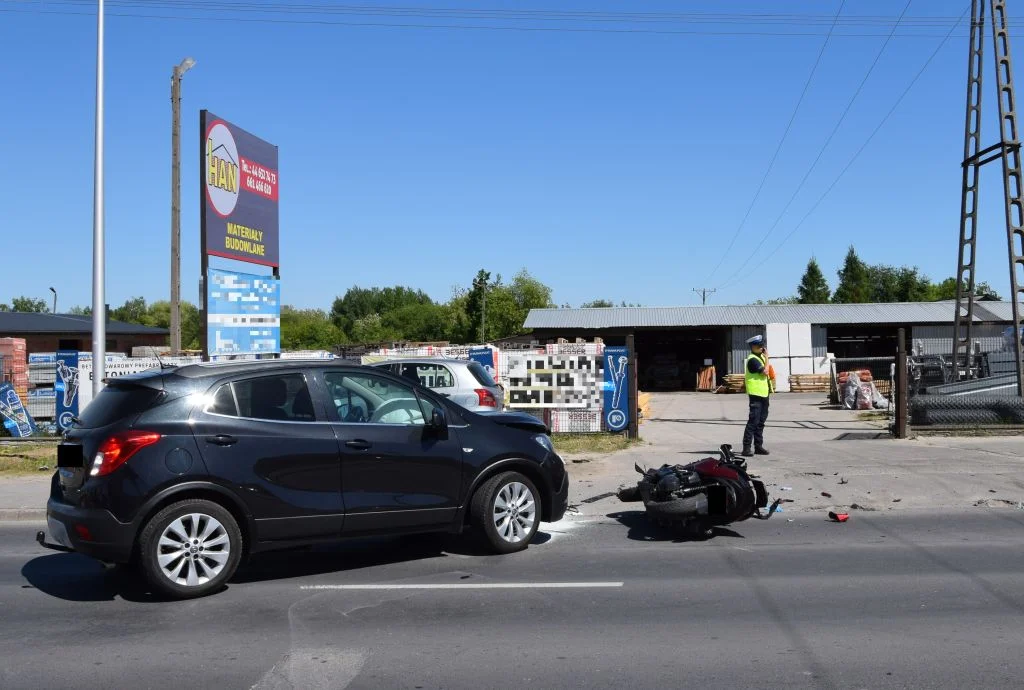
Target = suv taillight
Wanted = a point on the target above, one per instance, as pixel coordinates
(116, 450)
(486, 398)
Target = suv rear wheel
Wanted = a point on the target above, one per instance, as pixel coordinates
(190, 548)
(507, 509)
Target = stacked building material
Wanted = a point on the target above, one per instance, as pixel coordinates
(15, 357)
(706, 379)
(809, 383)
(734, 383)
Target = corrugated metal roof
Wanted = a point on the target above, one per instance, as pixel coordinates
(16, 323)
(749, 315)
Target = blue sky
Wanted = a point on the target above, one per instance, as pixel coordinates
(610, 164)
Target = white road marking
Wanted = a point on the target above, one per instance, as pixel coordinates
(474, 585)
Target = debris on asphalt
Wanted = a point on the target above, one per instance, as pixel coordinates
(991, 491)
(826, 494)
(594, 499)
(814, 474)
(857, 506)
(785, 488)
(842, 480)
(896, 500)
(838, 517)
(44, 468)
(580, 461)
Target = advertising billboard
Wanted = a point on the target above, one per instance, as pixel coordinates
(616, 388)
(243, 313)
(13, 413)
(239, 217)
(66, 385)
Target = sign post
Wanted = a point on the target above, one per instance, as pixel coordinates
(238, 205)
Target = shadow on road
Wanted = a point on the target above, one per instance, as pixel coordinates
(74, 577)
(643, 529)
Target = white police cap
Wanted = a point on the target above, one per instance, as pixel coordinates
(756, 340)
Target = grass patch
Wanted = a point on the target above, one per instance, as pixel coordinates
(26, 458)
(574, 444)
(873, 415)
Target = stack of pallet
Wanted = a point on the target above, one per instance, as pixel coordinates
(734, 383)
(809, 383)
(15, 370)
(706, 379)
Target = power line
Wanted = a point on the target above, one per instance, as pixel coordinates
(704, 292)
(821, 151)
(467, 15)
(856, 155)
(782, 141)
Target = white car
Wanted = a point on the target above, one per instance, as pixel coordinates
(465, 382)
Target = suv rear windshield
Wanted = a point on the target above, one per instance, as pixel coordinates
(481, 375)
(117, 402)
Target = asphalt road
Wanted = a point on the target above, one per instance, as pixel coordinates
(898, 600)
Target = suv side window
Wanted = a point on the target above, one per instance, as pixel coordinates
(281, 397)
(361, 399)
(429, 375)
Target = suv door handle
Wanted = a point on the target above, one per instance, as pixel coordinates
(359, 444)
(222, 440)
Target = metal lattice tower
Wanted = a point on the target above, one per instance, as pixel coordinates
(1007, 150)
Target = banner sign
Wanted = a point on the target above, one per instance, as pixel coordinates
(14, 415)
(243, 313)
(66, 386)
(616, 388)
(239, 212)
(485, 357)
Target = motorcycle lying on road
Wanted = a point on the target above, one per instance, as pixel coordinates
(701, 495)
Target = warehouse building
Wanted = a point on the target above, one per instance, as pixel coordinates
(51, 332)
(674, 343)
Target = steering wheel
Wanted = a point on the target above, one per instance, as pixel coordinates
(402, 404)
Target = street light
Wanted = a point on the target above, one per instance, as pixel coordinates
(54, 300)
(176, 74)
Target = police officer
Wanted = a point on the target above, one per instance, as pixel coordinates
(759, 388)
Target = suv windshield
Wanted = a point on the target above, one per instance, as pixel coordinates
(117, 402)
(481, 375)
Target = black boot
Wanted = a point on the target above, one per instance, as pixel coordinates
(761, 450)
(747, 453)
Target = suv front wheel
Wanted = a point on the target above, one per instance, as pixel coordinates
(507, 509)
(190, 548)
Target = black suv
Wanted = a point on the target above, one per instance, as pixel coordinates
(186, 471)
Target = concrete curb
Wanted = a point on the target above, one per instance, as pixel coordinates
(22, 514)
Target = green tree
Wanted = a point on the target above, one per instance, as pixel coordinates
(598, 304)
(29, 304)
(946, 290)
(903, 284)
(509, 304)
(4, 306)
(854, 281)
(158, 315)
(371, 329)
(80, 311)
(813, 288)
(475, 301)
(308, 329)
(779, 300)
(358, 303)
(134, 310)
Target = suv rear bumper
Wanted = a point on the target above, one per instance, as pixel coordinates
(108, 539)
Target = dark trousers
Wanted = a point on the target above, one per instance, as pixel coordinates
(755, 422)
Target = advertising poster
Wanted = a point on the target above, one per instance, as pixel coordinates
(14, 415)
(243, 314)
(66, 388)
(239, 212)
(485, 357)
(616, 388)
